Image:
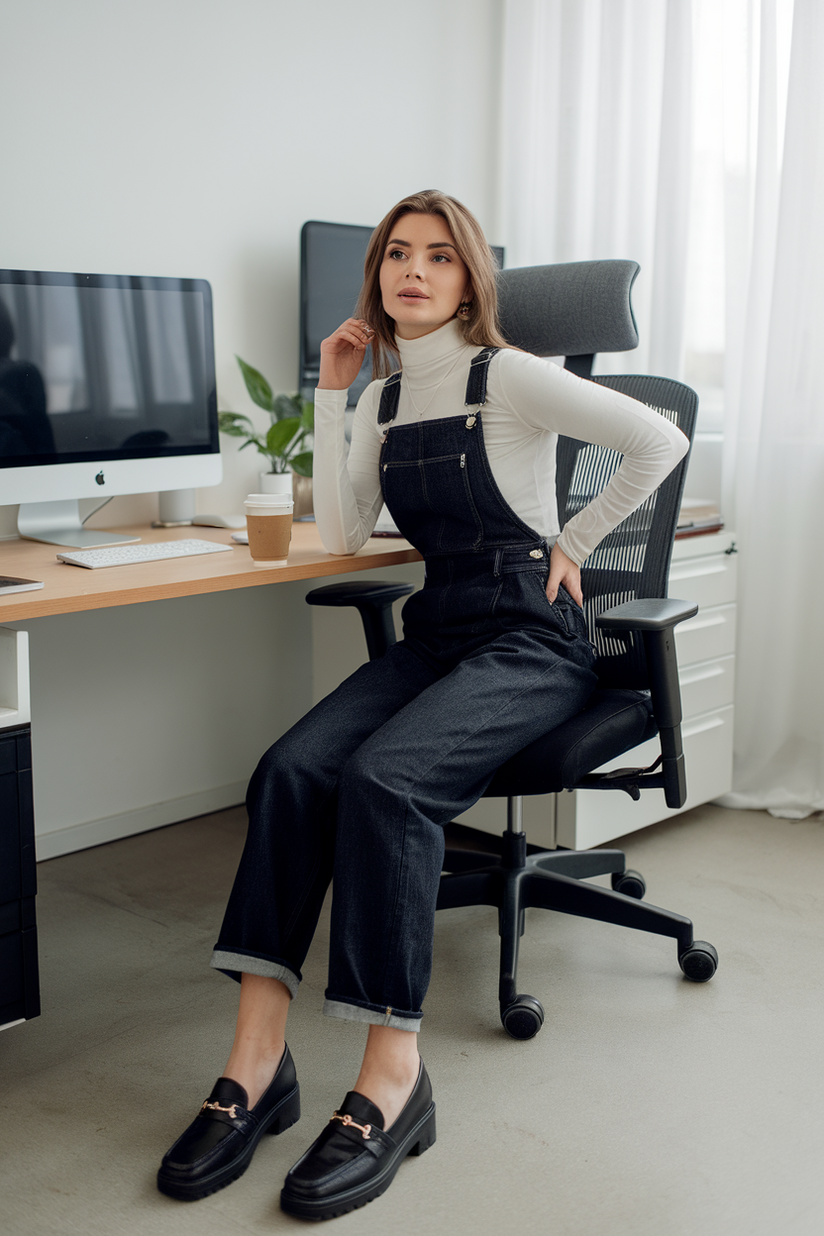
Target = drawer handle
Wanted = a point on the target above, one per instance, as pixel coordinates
(688, 677)
(700, 727)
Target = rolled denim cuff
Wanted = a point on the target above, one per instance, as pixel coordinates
(235, 964)
(356, 1012)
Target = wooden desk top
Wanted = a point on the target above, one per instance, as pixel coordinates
(69, 589)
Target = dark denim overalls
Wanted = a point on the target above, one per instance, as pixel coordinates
(360, 788)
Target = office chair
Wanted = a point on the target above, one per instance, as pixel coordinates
(575, 310)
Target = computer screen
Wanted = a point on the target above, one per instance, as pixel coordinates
(107, 386)
(331, 274)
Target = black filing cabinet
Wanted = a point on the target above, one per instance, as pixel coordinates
(19, 982)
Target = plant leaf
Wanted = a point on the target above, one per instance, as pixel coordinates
(229, 422)
(307, 417)
(259, 389)
(302, 464)
(281, 434)
(286, 405)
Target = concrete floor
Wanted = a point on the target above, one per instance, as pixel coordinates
(647, 1104)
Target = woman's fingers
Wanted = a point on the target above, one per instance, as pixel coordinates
(354, 332)
(562, 570)
(341, 355)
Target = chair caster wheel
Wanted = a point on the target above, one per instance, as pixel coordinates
(699, 962)
(630, 883)
(523, 1018)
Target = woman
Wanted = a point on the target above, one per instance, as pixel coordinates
(495, 652)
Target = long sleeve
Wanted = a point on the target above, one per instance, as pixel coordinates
(346, 492)
(529, 402)
(545, 398)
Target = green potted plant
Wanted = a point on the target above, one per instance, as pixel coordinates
(284, 443)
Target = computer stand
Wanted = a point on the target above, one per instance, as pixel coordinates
(59, 523)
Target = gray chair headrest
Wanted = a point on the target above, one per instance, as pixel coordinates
(569, 309)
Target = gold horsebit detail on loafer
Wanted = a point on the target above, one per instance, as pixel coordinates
(231, 1112)
(347, 1120)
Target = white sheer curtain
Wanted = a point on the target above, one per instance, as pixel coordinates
(689, 135)
(596, 121)
(774, 420)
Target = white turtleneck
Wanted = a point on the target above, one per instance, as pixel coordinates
(529, 402)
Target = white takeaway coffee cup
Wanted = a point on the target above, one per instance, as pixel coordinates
(269, 525)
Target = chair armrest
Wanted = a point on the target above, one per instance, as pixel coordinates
(650, 614)
(656, 619)
(373, 600)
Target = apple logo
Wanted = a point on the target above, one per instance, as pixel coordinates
(100, 478)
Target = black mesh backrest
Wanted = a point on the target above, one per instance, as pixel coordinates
(633, 560)
(577, 309)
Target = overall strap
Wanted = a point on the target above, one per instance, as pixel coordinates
(390, 395)
(475, 387)
(478, 373)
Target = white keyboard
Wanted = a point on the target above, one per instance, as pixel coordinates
(125, 555)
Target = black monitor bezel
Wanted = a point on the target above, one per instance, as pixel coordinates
(159, 283)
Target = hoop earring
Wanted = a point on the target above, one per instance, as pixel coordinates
(464, 309)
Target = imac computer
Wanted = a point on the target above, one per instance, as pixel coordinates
(107, 386)
(331, 274)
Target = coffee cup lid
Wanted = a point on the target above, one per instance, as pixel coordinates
(274, 500)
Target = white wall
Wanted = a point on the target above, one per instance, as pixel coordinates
(195, 137)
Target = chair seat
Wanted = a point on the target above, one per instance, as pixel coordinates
(614, 721)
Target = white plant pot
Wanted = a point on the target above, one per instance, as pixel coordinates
(275, 482)
(300, 487)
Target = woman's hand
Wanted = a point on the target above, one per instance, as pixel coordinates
(341, 355)
(562, 570)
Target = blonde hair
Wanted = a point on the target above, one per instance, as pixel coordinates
(481, 327)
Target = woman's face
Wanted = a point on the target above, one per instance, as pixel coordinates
(422, 278)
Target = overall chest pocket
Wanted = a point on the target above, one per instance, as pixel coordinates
(432, 503)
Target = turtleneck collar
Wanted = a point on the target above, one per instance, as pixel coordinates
(442, 344)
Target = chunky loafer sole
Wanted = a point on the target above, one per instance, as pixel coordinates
(282, 1118)
(355, 1160)
(419, 1140)
(218, 1146)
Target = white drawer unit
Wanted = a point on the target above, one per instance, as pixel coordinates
(710, 634)
(707, 685)
(707, 578)
(703, 570)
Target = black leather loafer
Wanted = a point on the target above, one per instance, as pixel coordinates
(354, 1160)
(218, 1145)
